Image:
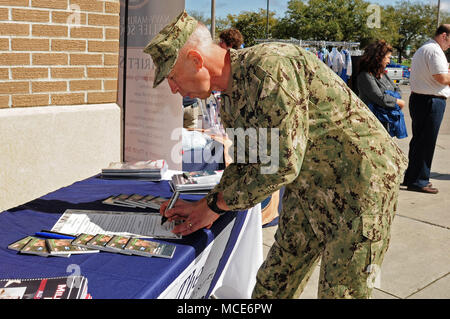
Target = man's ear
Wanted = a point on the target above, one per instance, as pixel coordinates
(196, 58)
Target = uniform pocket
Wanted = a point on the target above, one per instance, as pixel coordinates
(375, 227)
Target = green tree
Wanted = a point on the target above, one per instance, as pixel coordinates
(388, 26)
(329, 20)
(222, 24)
(293, 21)
(252, 25)
(410, 23)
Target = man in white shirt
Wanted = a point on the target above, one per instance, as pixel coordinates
(429, 90)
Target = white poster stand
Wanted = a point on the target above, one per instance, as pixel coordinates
(152, 116)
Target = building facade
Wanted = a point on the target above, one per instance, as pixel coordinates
(59, 120)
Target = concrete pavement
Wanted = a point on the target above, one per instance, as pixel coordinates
(417, 263)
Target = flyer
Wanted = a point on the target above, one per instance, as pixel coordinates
(131, 224)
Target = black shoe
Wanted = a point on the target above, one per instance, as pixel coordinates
(425, 189)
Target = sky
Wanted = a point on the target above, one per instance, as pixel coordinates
(224, 7)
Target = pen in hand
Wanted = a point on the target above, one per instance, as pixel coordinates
(172, 202)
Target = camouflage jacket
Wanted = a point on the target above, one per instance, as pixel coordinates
(333, 154)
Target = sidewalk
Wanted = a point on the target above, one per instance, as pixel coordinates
(417, 263)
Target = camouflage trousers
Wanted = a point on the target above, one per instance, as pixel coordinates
(349, 266)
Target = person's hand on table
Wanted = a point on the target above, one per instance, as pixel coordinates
(196, 215)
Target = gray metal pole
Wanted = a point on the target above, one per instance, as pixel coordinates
(438, 12)
(267, 29)
(213, 18)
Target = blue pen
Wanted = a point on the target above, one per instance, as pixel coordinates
(54, 236)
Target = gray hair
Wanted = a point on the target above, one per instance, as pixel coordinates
(199, 40)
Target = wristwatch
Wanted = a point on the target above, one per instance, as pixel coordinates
(211, 201)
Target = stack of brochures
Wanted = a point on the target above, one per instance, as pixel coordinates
(48, 247)
(70, 287)
(86, 243)
(200, 182)
(135, 200)
(148, 170)
(125, 245)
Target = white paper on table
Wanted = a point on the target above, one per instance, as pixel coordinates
(132, 224)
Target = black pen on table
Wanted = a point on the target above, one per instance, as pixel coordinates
(172, 202)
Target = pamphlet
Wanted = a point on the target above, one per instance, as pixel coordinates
(71, 287)
(136, 200)
(64, 246)
(148, 248)
(82, 240)
(112, 201)
(117, 244)
(36, 246)
(18, 245)
(201, 181)
(123, 200)
(99, 242)
(151, 169)
(142, 166)
(154, 202)
(131, 224)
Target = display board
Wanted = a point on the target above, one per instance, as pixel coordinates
(152, 117)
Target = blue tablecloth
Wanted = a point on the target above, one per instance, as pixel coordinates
(109, 275)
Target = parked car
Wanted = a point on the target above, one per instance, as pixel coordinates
(398, 73)
(406, 71)
(395, 73)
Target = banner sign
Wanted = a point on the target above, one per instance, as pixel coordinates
(151, 116)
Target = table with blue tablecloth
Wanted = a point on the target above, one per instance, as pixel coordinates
(222, 261)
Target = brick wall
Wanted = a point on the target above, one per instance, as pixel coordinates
(58, 52)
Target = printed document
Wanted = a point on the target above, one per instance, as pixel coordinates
(131, 224)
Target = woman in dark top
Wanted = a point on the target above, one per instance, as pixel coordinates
(373, 83)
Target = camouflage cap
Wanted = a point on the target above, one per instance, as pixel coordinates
(164, 47)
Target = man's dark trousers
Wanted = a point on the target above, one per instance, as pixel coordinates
(426, 113)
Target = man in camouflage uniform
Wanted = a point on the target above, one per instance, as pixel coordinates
(340, 167)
